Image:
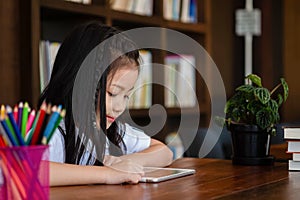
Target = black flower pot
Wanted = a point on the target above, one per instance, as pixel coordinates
(250, 145)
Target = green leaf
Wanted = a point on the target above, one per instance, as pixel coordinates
(285, 88)
(236, 114)
(279, 99)
(245, 88)
(227, 106)
(262, 94)
(255, 79)
(273, 105)
(264, 118)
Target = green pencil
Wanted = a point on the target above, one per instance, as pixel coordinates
(12, 131)
(24, 119)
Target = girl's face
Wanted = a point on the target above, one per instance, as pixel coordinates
(118, 90)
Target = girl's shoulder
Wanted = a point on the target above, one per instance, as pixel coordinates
(135, 139)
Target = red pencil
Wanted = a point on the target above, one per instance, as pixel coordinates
(2, 142)
(37, 130)
(16, 113)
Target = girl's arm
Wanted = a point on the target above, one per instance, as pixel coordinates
(69, 174)
(157, 155)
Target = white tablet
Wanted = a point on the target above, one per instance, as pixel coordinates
(154, 174)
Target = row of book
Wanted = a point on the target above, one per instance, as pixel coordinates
(139, 7)
(292, 137)
(142, 94)
(176, 10)
(180, 81)
(48, 51)
(180, 10)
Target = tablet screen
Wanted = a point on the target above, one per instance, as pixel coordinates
(153, 174)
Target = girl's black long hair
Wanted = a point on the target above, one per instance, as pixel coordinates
(72, 52)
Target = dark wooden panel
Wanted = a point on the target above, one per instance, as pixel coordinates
(292, 58)
(9, 52)
(267, 48)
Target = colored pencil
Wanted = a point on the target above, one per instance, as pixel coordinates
(20, 112)
(2, 111)
(8, 132)
(14, 125)
(4, 136)
(24, 119)
(30, 120)
(39, 124)
(54, 116)
(1, 129)
(28, 137)
(45, 139)
(11, 129)
(16, 113)
(45, 122)
(2, 141)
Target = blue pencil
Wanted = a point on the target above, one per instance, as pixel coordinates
(52, 121)
(8, 133)
(14, 124)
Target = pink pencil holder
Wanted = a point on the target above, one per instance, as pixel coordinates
(24, 172)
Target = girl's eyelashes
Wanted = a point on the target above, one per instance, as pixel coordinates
(115, 94)
(111, 94)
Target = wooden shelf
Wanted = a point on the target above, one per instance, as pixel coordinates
(143, 112)
(67, 6)
(186, 27)
(133, 18)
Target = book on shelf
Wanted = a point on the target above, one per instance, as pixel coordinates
(48, 51)
(180, 81)
(139, 7)
(142, 94)
(291, 133)
(189, 11)
(294, 165)
(296, 156)
(293, 146)
(171, 9)
(180, 10)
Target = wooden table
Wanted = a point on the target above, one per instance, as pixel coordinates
(214, 179)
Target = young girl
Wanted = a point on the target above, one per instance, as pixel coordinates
(118, 152)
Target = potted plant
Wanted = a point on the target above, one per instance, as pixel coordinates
(251, 116)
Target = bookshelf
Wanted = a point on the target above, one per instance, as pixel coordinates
(53, 19)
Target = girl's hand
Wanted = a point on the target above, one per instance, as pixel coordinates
(124, 171)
